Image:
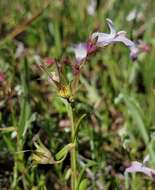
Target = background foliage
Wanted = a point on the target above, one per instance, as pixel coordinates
(117, 95)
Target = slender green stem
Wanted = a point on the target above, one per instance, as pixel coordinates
(73, 151)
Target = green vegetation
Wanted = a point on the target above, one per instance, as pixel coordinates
(84, 133)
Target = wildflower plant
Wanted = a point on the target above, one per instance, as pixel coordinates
(67, 90)
(86, 114)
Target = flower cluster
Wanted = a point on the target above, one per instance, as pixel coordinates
(83, 50)
(100, 39)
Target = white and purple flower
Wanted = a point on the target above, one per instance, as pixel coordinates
(104, 39)
(100, 39)
(141, 168)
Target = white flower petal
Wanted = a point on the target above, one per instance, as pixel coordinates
(111, 27)
(80, 51)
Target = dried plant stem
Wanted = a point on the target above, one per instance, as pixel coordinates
(24, 25)
(73, 151)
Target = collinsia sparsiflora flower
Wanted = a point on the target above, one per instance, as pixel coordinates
(104, 39)
(99, 39)
(140, 167)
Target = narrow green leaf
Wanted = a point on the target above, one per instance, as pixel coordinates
(136, 117)
(78, 124)
(64, 151)
(84, 184)
(89, 164)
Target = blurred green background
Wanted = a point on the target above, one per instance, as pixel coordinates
(117, 95)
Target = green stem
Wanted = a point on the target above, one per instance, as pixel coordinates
(73, 152)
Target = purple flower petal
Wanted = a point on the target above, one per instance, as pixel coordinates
(139, 167)
(122, 38)
(103, 39)
(134, 51)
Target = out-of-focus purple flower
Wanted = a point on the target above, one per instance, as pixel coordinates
(104, 39)
(140, 167)
(2, 76)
